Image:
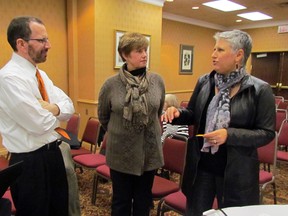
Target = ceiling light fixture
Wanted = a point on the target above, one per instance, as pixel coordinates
(254, 16)
(224, 5)
(169, 0)
(195, 8)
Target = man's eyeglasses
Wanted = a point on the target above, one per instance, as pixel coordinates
(40, 40)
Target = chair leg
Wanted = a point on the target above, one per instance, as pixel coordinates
(159, 207)
(77, 166)
(274, 193)
(261, 196)
(164, 209)
(94, 189)
(8, 155)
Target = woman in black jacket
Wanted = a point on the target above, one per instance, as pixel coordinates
(233, 114)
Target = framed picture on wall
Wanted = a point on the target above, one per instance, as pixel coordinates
(186, 59)
(118, 60)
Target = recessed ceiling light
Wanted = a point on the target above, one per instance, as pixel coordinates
(224, 5)
(254, 16)
(239, 20)
(195, 8)
(169, 0)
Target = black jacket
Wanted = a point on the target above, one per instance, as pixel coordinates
(252, 125)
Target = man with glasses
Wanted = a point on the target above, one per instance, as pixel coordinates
(28, 121)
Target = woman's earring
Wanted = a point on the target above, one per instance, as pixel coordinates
(237, 67)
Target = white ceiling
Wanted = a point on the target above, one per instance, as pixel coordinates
(180, 10)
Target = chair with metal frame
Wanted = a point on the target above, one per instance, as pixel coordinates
(176, 202)
(281, 115)
(267, 156)
(184, 104)
(283, 105)
(92, 160)
(89, 136)
(174, 152)
(73, 124)
(4, 162)
(278, 99)
(8, 196)
(102, 172)
(282, 156)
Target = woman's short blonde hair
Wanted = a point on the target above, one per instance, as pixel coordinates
(131, 41)
(171, 100)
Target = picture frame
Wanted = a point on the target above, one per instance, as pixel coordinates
(118, 62)
(186, 59)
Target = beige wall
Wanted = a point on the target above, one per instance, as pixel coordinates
(53, 14)
(174, 34)
(267, 39)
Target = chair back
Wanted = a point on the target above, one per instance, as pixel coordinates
(267, 153)
(267, 157)
(184, 104)
(281, 115)
(190, 130)
(278, 99)
(283, 105)
(104, 143)
(73, 124)
(4, 163)
(91, 133)
(174, 151)
(283, 134)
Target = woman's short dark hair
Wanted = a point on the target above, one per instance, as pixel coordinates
(19, 28)
(131, 41)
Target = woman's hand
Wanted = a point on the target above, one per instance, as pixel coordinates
(217, 137)
(170, 114)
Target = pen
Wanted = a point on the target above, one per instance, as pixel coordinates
(199, 135)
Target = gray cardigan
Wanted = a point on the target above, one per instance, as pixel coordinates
(128, 151)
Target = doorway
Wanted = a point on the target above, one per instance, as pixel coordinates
(272, 67)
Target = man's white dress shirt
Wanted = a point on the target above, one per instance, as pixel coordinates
(24, 125)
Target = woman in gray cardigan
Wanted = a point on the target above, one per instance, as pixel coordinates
(130, 106)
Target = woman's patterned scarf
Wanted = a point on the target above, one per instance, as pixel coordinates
(135, 112)
(218, 113)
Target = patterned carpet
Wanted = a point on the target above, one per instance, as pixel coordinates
(102, 207)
